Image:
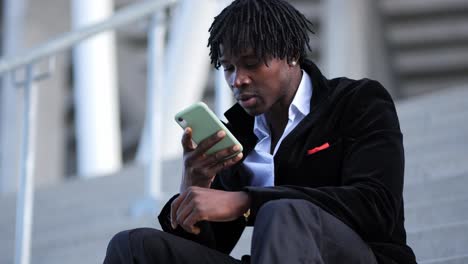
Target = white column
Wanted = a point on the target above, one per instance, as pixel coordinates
(354, 44)
(186, 70)
(96, 93)
(223, 95)
(345, 38)
(187, 64)
(10, 110)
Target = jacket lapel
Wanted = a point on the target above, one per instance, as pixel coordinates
(241, 125)
(319, 103)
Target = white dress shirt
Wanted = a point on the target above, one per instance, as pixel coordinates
(259, 162)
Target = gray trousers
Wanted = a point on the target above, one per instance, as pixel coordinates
(285, 231)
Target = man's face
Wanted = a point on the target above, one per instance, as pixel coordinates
(258, 87)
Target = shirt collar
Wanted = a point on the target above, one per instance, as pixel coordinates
(301, 102)
(299, 106)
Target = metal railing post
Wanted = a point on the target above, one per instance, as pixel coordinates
(154, 115)
(25, 196)
(155, 108)
(95, 89)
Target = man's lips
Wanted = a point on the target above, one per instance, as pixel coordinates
(244, 97)
(247, 100)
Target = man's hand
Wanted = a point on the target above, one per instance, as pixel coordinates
(200, 168)
(202, 204)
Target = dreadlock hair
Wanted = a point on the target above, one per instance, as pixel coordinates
(272, 28)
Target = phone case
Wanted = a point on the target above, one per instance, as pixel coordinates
(205, 123)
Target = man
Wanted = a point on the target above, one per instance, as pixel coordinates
(321, 175)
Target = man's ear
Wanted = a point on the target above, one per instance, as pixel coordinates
(294, 61)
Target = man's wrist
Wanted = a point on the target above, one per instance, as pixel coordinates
(186, 184)
(245, 204)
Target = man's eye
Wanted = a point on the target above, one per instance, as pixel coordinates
(252, 64)
(228, 68)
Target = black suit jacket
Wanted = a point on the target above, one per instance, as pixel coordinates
(358, 178)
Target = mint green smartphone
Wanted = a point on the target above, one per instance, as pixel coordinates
(204, 123)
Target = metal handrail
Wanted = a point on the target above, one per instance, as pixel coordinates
(25, 194)
(122, 17)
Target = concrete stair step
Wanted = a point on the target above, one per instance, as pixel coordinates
(401, 9)
(434, 119)
(425, 172)
(87, 244)
(449, 189)
(439, 242)
(434, 124)
(432, 140)
(74, 192)
(436, 213)
(243, 246)
(71, 229)
(435, 145)
(440, 106)
(89, 252)
(72, 214)
(414, 34)
(435, 152)
(448, 98)
(96, 231)
(451, 260)
(77, 192)
(412, 87)
(437, 61)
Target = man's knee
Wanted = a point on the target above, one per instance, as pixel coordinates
(118, 240)
(131, 241)
(136, 244)
(286, 208)
(118, 248)
(280, 204)
(132, 236)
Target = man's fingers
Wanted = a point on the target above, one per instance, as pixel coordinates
(183, 206)
(207, 143)
(221, 155)
(184, 211)
(190, 221)
(226, 164)
(187, 142)
(175, 207)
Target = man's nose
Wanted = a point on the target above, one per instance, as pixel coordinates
(239, 79)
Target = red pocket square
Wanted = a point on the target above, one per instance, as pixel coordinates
(317, 149)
